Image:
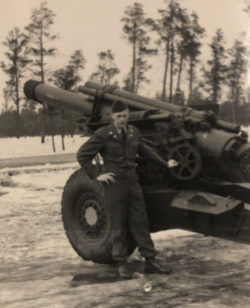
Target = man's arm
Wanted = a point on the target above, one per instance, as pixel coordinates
(88, 151)
(85, 155)
(146, 151)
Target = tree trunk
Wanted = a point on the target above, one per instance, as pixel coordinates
(190, 82)
(42, 77)
(179, 77)
(215, 99)
(43, 124)
(53, 143)
(63, 131)
(214, 94)
(171, 71)
(216, 81)
(137, 86)
(234, 87)
(63, 145)
(163, 98)
(76, 78)
(52, 132)
(103, 75)
(233, 105)
(17, 108)
(15, 61)
(134, 62)
(70, 129)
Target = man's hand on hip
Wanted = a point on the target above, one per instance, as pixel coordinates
(106, 177)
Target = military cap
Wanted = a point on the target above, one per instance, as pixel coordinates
(119, 106)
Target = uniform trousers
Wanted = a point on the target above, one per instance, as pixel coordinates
(127, 210)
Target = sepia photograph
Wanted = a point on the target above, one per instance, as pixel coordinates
(125, 153)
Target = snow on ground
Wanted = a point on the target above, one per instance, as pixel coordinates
(32, 146)
(39, 268)
(36, 169)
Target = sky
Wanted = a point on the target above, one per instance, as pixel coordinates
(94, 26)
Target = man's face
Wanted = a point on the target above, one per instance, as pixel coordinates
(120, 118)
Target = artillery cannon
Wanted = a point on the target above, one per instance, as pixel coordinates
(208, 192)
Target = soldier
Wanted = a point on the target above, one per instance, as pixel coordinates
(118, 144)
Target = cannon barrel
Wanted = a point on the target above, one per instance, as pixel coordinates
(112, 93)
(131, 103)
(210, 141)
(60, 98)
(79, 103)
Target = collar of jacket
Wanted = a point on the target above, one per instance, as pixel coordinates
(113, 134)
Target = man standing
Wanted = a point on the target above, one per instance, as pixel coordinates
(118, 144)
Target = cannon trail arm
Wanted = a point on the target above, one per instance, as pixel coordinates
(200, 212)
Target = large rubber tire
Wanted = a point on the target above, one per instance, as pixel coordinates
(86, 220)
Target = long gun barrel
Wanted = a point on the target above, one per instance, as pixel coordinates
(60, 98)
(113, 93)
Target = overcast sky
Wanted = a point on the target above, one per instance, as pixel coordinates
(94, 26)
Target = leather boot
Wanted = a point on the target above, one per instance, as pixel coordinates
(124, 271)
(153, 267)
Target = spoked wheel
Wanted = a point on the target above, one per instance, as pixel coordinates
(86, 219)
(189, 161)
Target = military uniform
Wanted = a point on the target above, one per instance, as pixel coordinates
(125, 198)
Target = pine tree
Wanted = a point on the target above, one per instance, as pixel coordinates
(40, 36)
(106, 69)
(171, 28)
(127, 82)
(17, 57)
(194, 36)
(77, 62)
(215, 75)
(182, 52)
(8, 95)
(66, 79)
(134, 28)
(235, 73)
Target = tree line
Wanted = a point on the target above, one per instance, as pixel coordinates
(176, 35)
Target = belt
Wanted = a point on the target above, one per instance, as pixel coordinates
(128, 168)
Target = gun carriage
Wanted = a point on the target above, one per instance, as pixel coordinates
(208, 192)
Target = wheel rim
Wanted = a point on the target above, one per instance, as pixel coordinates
(91, 217)
(189, 161)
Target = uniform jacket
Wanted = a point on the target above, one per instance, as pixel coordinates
(118, 155)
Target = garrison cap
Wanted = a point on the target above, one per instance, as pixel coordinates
(119, 106)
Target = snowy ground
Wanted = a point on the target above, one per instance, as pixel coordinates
(38, 267)
(32, 146)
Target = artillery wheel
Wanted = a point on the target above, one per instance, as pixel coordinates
(189, 161)
(86, 219)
